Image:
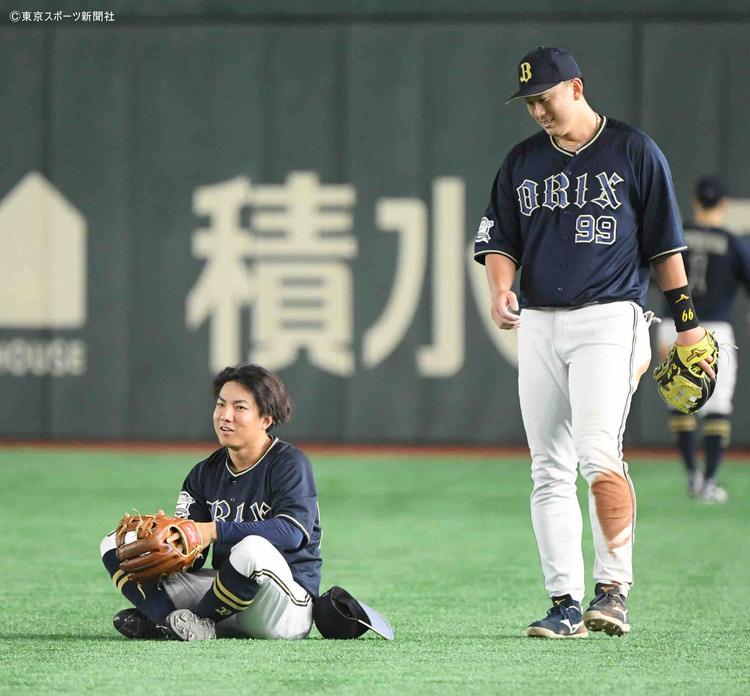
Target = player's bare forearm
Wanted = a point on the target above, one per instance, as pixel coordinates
(670, 272)
(501, 271)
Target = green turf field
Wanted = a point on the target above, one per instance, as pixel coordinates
(443, 547)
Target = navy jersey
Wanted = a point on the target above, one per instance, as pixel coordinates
(717, 264)
(583, 225)
(280, 485)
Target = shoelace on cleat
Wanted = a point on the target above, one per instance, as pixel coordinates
(563, 610)
(609, 599)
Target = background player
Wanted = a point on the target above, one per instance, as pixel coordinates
(717, 264)
(255, 500)
(583, 207)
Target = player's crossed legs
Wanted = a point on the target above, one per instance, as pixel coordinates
(269, 602)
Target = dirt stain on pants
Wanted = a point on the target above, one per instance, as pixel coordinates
(614, 507)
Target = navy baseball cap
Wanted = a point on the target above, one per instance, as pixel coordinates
(710, 190)
(542, 69)
(338, 615)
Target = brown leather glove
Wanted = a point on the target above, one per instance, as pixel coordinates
(152, 547)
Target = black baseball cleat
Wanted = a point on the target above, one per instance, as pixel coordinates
(563, 620)
(607, 611)
(187, 626)
(132, 624)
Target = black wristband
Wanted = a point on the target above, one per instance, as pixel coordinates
(680, 303)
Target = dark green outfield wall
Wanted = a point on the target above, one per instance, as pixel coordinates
(185, 187)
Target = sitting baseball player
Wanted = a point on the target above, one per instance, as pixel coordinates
(255, 501)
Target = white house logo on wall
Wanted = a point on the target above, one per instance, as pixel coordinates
(42, 280)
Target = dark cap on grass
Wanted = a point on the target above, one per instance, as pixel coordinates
(338, 615)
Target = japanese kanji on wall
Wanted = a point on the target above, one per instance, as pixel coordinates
(289, 268)
(177, 199)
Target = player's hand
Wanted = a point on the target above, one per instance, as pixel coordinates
(176, 542)
(208, 532)
(690, 337)
(503, 307)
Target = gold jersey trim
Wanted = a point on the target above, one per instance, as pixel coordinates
(289, 517)
(502, 253)
(668, 253)
(588, 143)
(250, 468)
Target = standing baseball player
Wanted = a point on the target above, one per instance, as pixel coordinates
(717, 264)
(583, 208)
(255, 500)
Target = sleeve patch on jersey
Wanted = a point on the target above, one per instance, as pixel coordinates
(483, 236)
(184, 501)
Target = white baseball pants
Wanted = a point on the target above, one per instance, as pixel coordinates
(281, 609)
(578, 370)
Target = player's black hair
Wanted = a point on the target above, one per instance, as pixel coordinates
(268, 390)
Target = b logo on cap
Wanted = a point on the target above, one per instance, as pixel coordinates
(525, 72)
